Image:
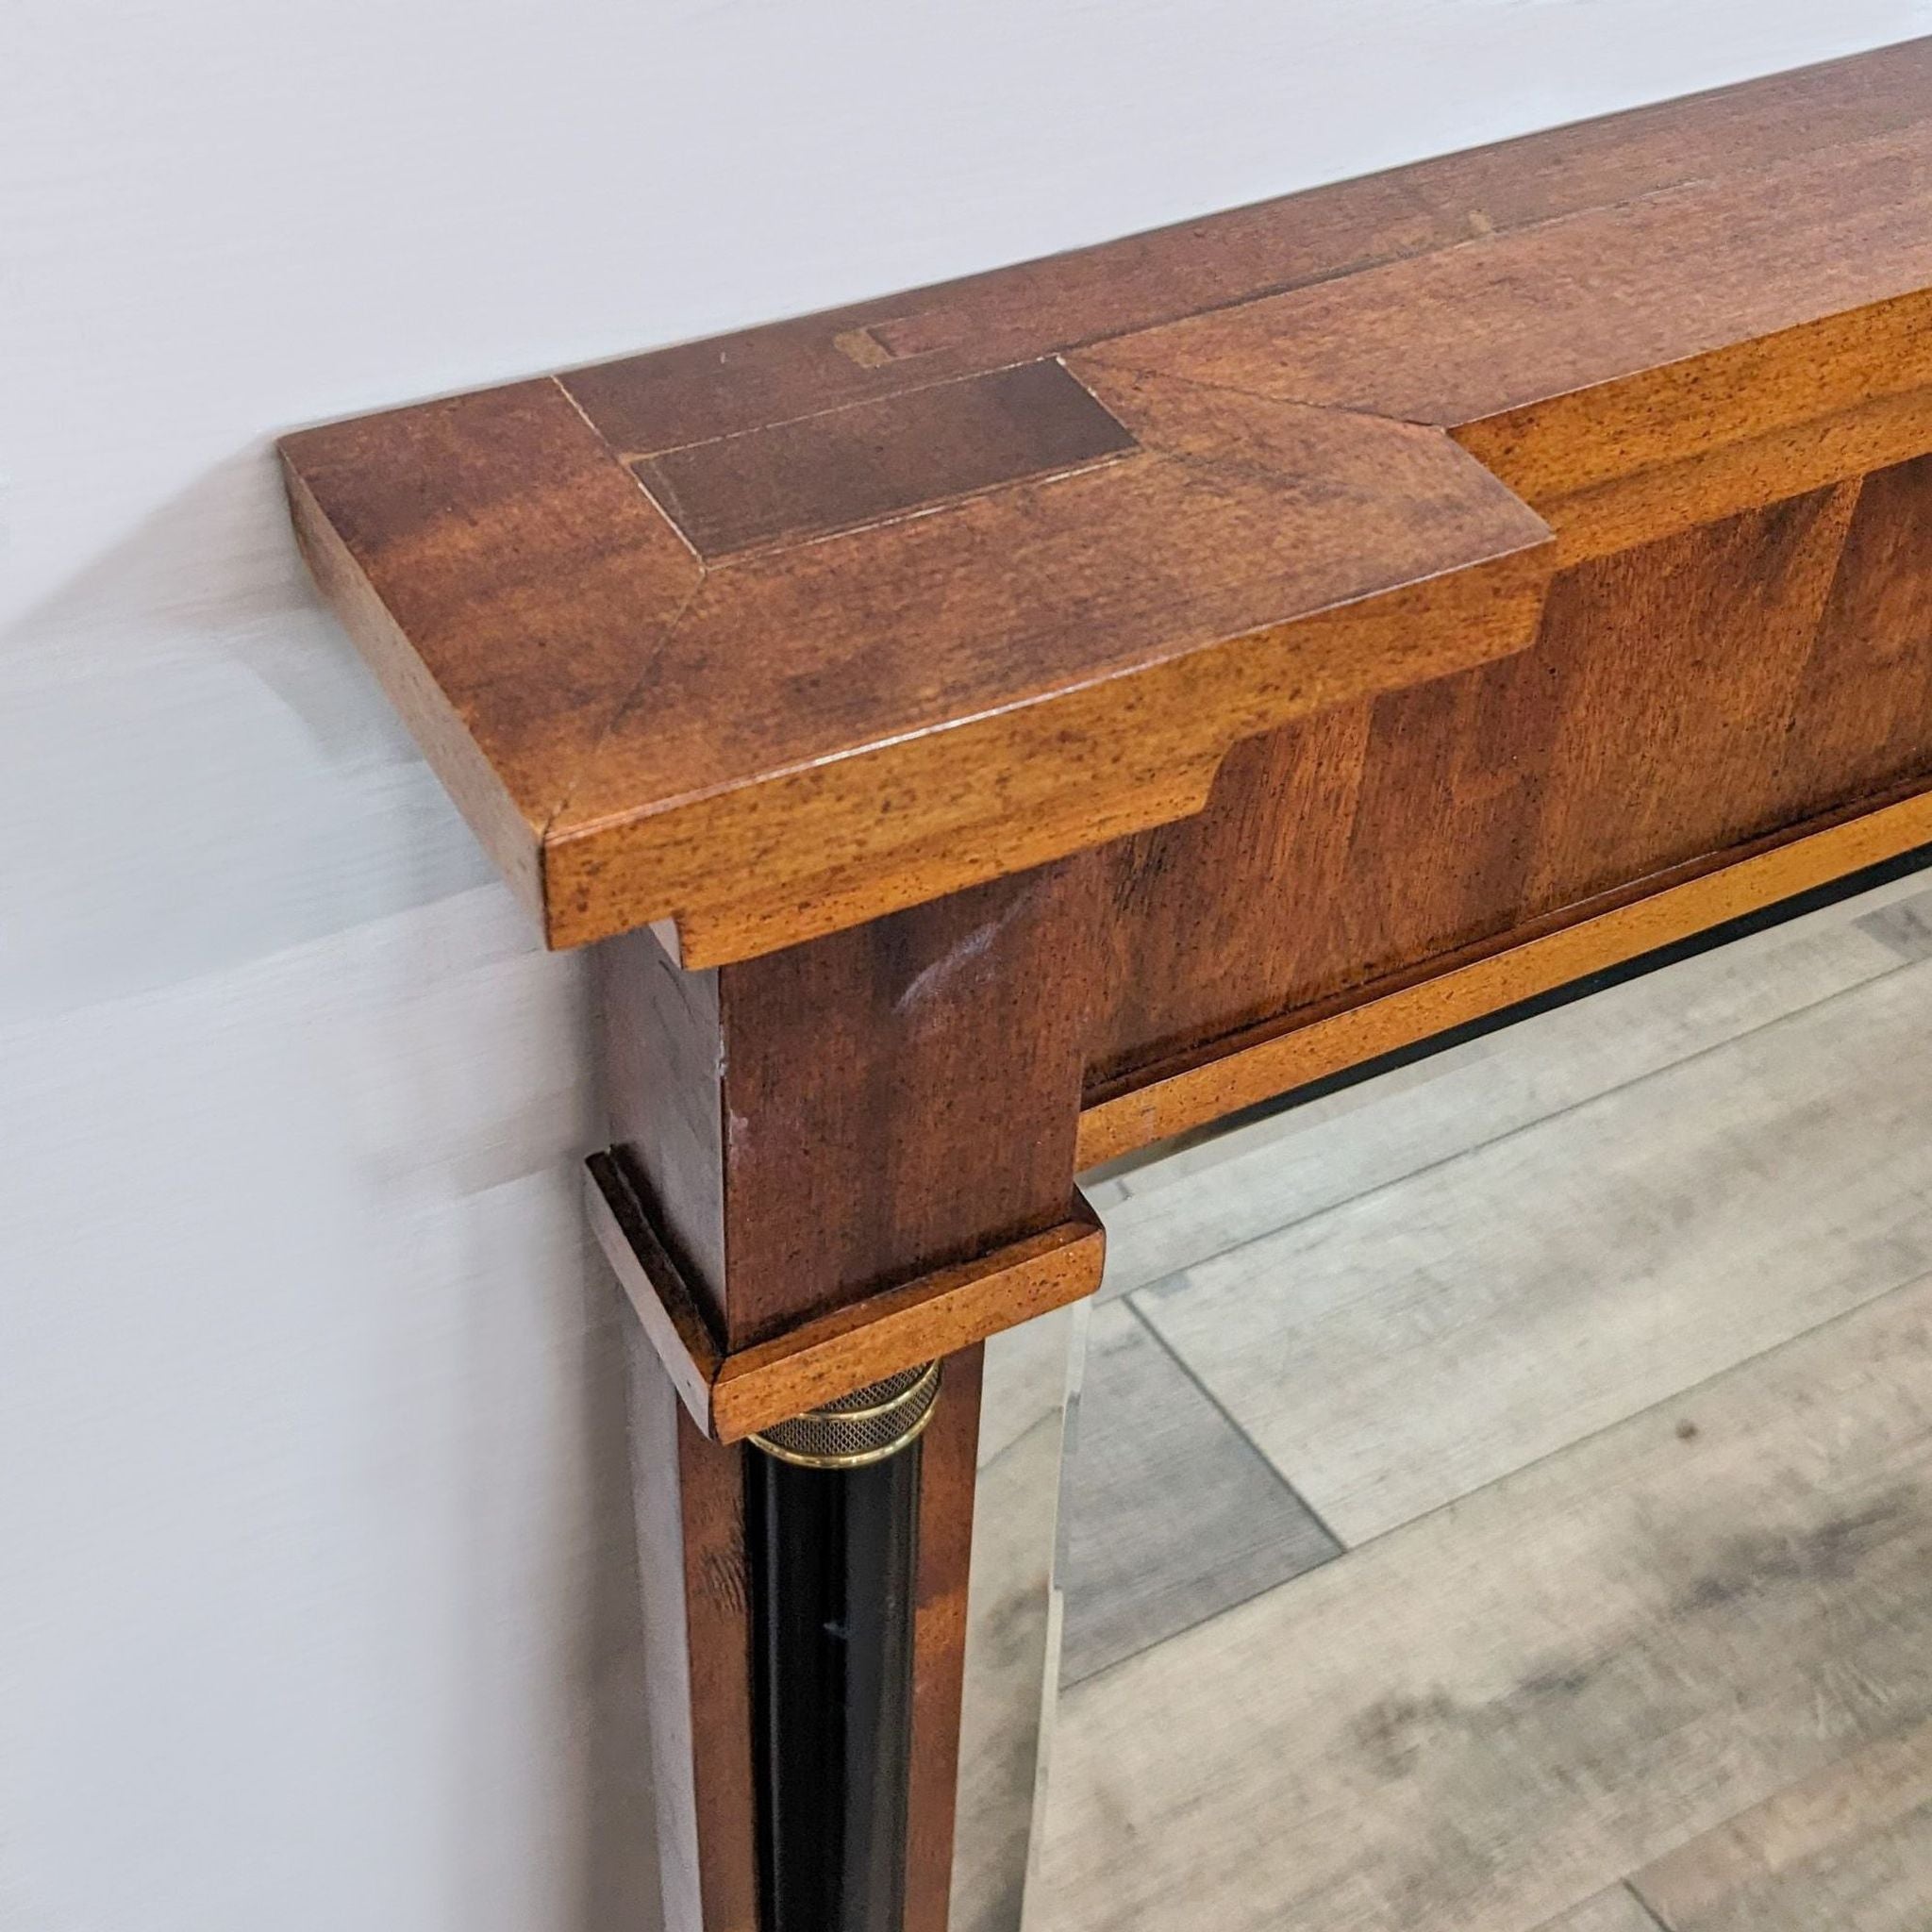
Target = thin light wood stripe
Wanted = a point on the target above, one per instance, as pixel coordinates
(1199, 1094)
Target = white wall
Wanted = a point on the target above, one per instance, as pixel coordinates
(315, 1595)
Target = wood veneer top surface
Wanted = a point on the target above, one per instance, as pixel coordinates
(776, 632)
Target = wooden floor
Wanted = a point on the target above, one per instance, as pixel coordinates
(1505, 1494)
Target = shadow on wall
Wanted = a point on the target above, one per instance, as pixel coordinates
(312, 1472)
(208, 772)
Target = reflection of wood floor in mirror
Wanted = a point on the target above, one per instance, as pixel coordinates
(1505, 1498)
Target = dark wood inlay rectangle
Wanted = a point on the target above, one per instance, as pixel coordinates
(869, 461)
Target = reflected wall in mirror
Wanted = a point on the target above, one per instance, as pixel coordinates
(1028, 1426)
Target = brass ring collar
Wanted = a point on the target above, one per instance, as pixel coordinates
(858, 1429)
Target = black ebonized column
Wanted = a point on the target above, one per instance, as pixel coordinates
(834, 1519)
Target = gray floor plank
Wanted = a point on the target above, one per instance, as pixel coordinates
(1025, 1378)
(1847, 1851)
(1219, 1192)
(1496, 1712)
(1903, 926)
(1406, 1348)
(1172, 1515)
(1616, 1911)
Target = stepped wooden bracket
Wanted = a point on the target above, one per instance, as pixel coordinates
(732, 1396)
(988, 729)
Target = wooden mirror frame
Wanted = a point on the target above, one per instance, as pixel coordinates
(986, 731)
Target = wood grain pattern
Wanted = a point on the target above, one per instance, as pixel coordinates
(831, 1124)
(842, 469)
(693, 1571)
(1144, 680)
(666, 1309)
(660, 1042)
(902, 1098)
(786, 370)
(433, 515)
(1685, 698)
(1231, 1074)
(1683, 657)
(732, 1396)
(1343, 486)
(1066, 696)
(1740, 305)
(822, 1125)
(1860, 713)
(941, 1314)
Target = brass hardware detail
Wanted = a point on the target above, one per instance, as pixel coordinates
(858, 1429)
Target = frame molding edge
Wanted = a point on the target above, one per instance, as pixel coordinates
(732, 1396)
